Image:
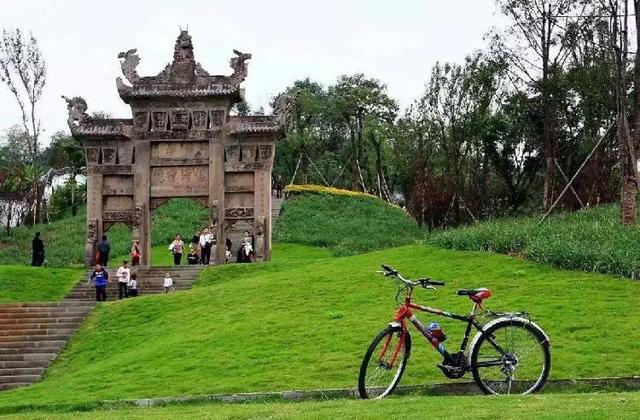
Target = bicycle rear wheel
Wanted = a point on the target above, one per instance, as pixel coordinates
(515, 360)
(384, 363)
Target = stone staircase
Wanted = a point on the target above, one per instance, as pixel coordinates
(149, 281)
(32, 335)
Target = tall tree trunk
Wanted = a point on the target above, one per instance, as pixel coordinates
(548, 123)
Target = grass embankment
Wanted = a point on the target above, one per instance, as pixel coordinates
(346, 224)
(555, 406)
(305, 320)
(589, 240)
(65, 239)
(36, 284)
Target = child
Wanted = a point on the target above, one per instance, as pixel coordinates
(192, 258)
(133, 285)
(168, 283)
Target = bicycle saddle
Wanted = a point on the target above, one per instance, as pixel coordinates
(476, 295)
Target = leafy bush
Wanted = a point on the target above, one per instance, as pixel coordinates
(319, 189)
(347, 224)
(590, 240)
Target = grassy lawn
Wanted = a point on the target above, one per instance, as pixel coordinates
(36, 284)
(553, 406)
(304, 322)
(590, 240)
(346, 225)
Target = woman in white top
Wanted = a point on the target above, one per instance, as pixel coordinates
(206, 240)
(176, 248)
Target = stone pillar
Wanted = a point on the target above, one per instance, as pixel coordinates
(94, 213)
(141, 195)
(262, 210)
(216, 193)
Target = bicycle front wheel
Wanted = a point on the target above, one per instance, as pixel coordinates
(512, 357)
(384, 363)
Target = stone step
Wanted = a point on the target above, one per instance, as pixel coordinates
(19, 379)
(38, 325)
(13, 385)
(28, 357)
(17, 319)
(34, 345)
(23, 364)
(4, 372)
(62, 303)
(57, 310)
(38, 351)
(36, 332)
(6, 340)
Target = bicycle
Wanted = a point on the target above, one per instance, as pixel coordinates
(509, 354)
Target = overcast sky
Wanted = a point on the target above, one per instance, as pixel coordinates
(396, 42)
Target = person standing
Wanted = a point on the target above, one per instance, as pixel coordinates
(135, 253)
(176, 248)
(101, 278)
(206, 241)
(124, 276)
(133, 285)
(279, 186)
(167, 285)
(37, 248)
(103, 251)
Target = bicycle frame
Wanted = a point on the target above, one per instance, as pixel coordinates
(405, 312)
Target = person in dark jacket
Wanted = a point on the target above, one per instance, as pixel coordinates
(103, 251)
(100, 277)
(37, 255)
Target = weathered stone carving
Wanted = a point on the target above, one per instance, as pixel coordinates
(109, 155)
(77, 108)
(159, 120)
(247, 166)
(213, 214)
(260, 234)
(179, 119)
(117, 216)
(199, 120)
(239, 66)
(233, 153)
(282, 109)
(249, 153)
(92, 154)
(265, 151)
(138, 218)
(128, 65)
(217, 118)
(141, 120)
(92, 230)
(239, 212)
(125, 155)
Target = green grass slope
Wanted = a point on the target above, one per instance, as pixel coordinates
(535, 407)
(65, 239)
(36, 284)
(590, 240)
(347, 225)
(305, 320)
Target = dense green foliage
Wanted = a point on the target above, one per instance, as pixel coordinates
(590, 240)
(65, 239)
(304, 321)
(533, 407)
(36, 284)
(346, 225)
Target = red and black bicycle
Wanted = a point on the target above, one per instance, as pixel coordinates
(509, 354)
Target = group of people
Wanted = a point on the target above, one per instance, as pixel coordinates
(127, 282)
(203, 244)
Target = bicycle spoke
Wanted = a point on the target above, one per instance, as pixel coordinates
(385, 365)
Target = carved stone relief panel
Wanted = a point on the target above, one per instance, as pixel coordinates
(247, 166)
(238, 199)
(180, 180)
(239, 182)
(125, 155)
(248, 152)
(179, 119)
(199, 120)
(232, 153)
(238, 213)
(109, 155)
(118, 185)
(180, 150)
(217, 118)
(159, 120)
(117, 202)
(266, 151)
(141, 120)
(93, 155)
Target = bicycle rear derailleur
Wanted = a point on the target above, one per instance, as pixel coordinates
(455, 367)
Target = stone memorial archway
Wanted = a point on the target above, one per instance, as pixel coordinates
(180, 142)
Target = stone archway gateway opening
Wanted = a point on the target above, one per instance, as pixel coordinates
(180, 142)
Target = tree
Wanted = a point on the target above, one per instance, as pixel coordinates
(65, 156)
(24, 72)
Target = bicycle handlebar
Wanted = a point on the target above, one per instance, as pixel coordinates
(427, 283)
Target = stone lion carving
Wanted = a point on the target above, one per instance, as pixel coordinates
(128, 65)
(77, 108)
(239, 66)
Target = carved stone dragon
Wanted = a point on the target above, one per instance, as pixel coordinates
(239, 66)
(128, 64)
(77, 108)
